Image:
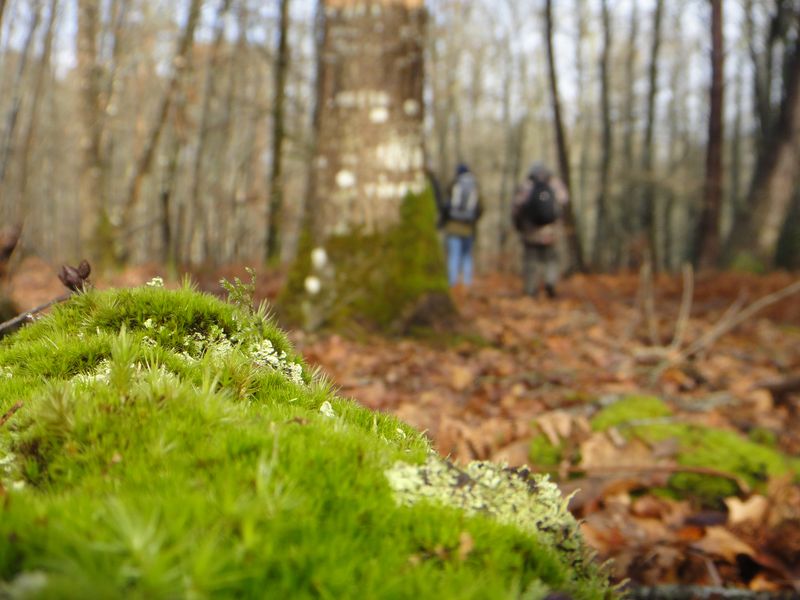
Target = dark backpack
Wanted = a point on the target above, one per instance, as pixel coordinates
(540, 207)
(464, 206)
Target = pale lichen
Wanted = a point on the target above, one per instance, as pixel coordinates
(512, 496)
(6, 372)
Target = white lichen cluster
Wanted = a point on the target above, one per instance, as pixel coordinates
(101, 374)
(6, 372)
(217, 346)
(517, 497)
(155, 282)
(264, 354)
(9, 472)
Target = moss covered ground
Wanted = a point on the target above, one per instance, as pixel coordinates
(166, 444)
(649, 418)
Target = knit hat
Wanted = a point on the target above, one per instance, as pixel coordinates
(539, 171)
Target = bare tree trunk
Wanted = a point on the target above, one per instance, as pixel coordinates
(369, 145)
(145, 160)
(93, 222)
(775, 181)
(607, 224)
(2, 12)
(631, 221)
(650, 217)
(278, 134)
(707, 240)
(561, 140)
(30, 130)
(735, 194)
(16, 102)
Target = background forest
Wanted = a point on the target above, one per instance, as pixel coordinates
(182, 132)
(154, 138)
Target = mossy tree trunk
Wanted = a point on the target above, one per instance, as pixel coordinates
(369, 151)
(370, 226)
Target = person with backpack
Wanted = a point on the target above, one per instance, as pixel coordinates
(537, 207)
(463, 208)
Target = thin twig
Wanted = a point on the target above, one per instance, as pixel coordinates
(649, 301)
(683, 591)
(729, 322)
(10, 413)
(13, 324)
(686, 306)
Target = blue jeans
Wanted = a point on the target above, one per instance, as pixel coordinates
(459, 259)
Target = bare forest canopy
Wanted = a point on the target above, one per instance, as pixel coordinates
(184, 132)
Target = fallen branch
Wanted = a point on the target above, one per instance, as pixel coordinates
(736, 318)
(783, 385)
(699, 592)
(12, 325)
(10, 413)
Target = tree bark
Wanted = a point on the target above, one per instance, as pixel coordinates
(369, 150)
(606, 222)
(775, 181)
(561, 139)
(278, 135)
(94, 241)
(707, 240)
(650, 220)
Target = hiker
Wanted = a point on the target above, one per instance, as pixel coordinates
(537, 208)
(462, 210)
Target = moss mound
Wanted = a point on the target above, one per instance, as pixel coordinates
(393, 280)
(726, 451)
(171, 445)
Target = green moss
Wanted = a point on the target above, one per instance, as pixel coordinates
(630, 409)
(543, 454)
(726, 451)
(173, 445)
(377, 279)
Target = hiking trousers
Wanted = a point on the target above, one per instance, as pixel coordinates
(539, 262)
(459, 259)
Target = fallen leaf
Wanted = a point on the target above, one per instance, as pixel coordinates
(752, 510)
(718, 541)
(460, 377)
(555, 425)
(599, 452)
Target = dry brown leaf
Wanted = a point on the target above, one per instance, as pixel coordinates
(753, 510)
(555, 425)
(718, 541)
(599, 452)
(515, 454)
(460, 377)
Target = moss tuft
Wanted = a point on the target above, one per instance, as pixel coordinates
(173, 445)
(392, 280)
(630, 409)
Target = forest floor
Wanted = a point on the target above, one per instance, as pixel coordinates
(524, 373)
